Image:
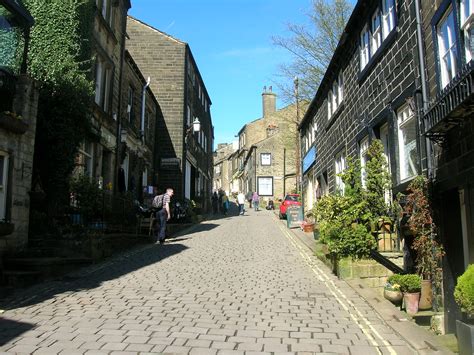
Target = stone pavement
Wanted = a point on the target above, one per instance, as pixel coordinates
(234, 285)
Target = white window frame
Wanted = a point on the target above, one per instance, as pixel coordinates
(335, 100)
(466, 21)
(265, 159)
(188, 115)
(447, 47)
(388, 17)
(408, 168)
(330, 110)
(265, 185)
(363, 150)
(87, 158)
(339, 167)
(130, 103)
(376, 35)
(107, 88)
(99, 68)
(4, 185)
(364, 47)
(340, 87)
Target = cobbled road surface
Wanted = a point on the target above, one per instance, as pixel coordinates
(234, 285)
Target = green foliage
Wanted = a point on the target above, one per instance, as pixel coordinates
(59, 47)
(464, 291)
(11, 43)
(395, 279)
(87, 197)
(377, 180)
(428, 251)
(339, 228)
(410, 283)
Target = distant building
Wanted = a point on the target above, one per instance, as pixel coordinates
(184, 157)
(223, 167)
(266, 158)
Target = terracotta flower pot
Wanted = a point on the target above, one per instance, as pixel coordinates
(394, 296)
(411, 302)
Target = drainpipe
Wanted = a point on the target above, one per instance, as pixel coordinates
(142, 122)
(424, 91)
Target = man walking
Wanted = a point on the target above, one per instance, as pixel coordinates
(241, 202)
(162, 205)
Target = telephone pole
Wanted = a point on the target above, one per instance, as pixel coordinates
(298, 155)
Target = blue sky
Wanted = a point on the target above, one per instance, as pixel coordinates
(231, 43)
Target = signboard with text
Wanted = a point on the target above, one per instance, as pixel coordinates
(294, 216)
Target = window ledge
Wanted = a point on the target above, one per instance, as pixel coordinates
(334, 116)
(364, 73)
(106, 25)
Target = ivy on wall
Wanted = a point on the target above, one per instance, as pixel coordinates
(60, 61)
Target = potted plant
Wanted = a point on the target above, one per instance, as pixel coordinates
(392, 291)
(428, 251)
(464, 296)
(410, 285)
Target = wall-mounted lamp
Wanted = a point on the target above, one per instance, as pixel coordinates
(195, 127)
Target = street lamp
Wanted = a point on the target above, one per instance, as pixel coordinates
(195, 127)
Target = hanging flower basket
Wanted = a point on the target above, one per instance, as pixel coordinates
(10, 122)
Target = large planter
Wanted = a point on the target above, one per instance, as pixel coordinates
(411, 302)
(13, 124)
(465, 335)
(308, 228)
(426, 295)
(393, 296)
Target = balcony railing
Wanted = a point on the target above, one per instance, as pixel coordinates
(451, 105)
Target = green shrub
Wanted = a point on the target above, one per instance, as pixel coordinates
(464, 291)
(395, 279)
(410, 283)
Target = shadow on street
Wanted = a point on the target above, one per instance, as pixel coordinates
(90, 278)
(10, 329)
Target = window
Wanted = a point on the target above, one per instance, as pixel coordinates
(364, 48)
(408, 155)
(130, 104)
(103, 82)
(340, 87)
(467, 19)
(3, 184)
(388, 17)
(447, 48)
(363, 156)
(330, 109)
(340, 166)
(384, 137)
(265, 186)
(266, 159)
(376, 33)
(86, 154)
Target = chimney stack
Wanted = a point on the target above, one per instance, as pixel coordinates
(268, 101)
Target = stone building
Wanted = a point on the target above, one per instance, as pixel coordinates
(98, 154)
(18, 110)
(266, 157)
(223, 167)
(448, 123)
(137, 132)
(185, 156)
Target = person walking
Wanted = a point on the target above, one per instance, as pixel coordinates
(162, 205)
(255, 201)
(241, 203)
(215, 201)
(225, 203)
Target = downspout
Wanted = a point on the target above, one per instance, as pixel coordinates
(424, 91)
(142, 121)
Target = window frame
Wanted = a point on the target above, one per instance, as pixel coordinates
(364, 50)
(259, 190)
(339, 167)
(262, 160)
(403, 155)
(363, 157)
(386, 30)
(376, 42)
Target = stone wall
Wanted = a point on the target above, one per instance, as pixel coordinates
(20, 150)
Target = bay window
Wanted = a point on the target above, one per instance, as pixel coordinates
(408, 153)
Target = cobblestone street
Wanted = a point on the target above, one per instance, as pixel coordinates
(236, 285)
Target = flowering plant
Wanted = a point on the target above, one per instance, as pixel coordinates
(394, 287)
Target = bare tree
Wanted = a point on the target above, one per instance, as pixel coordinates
(311, 47)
